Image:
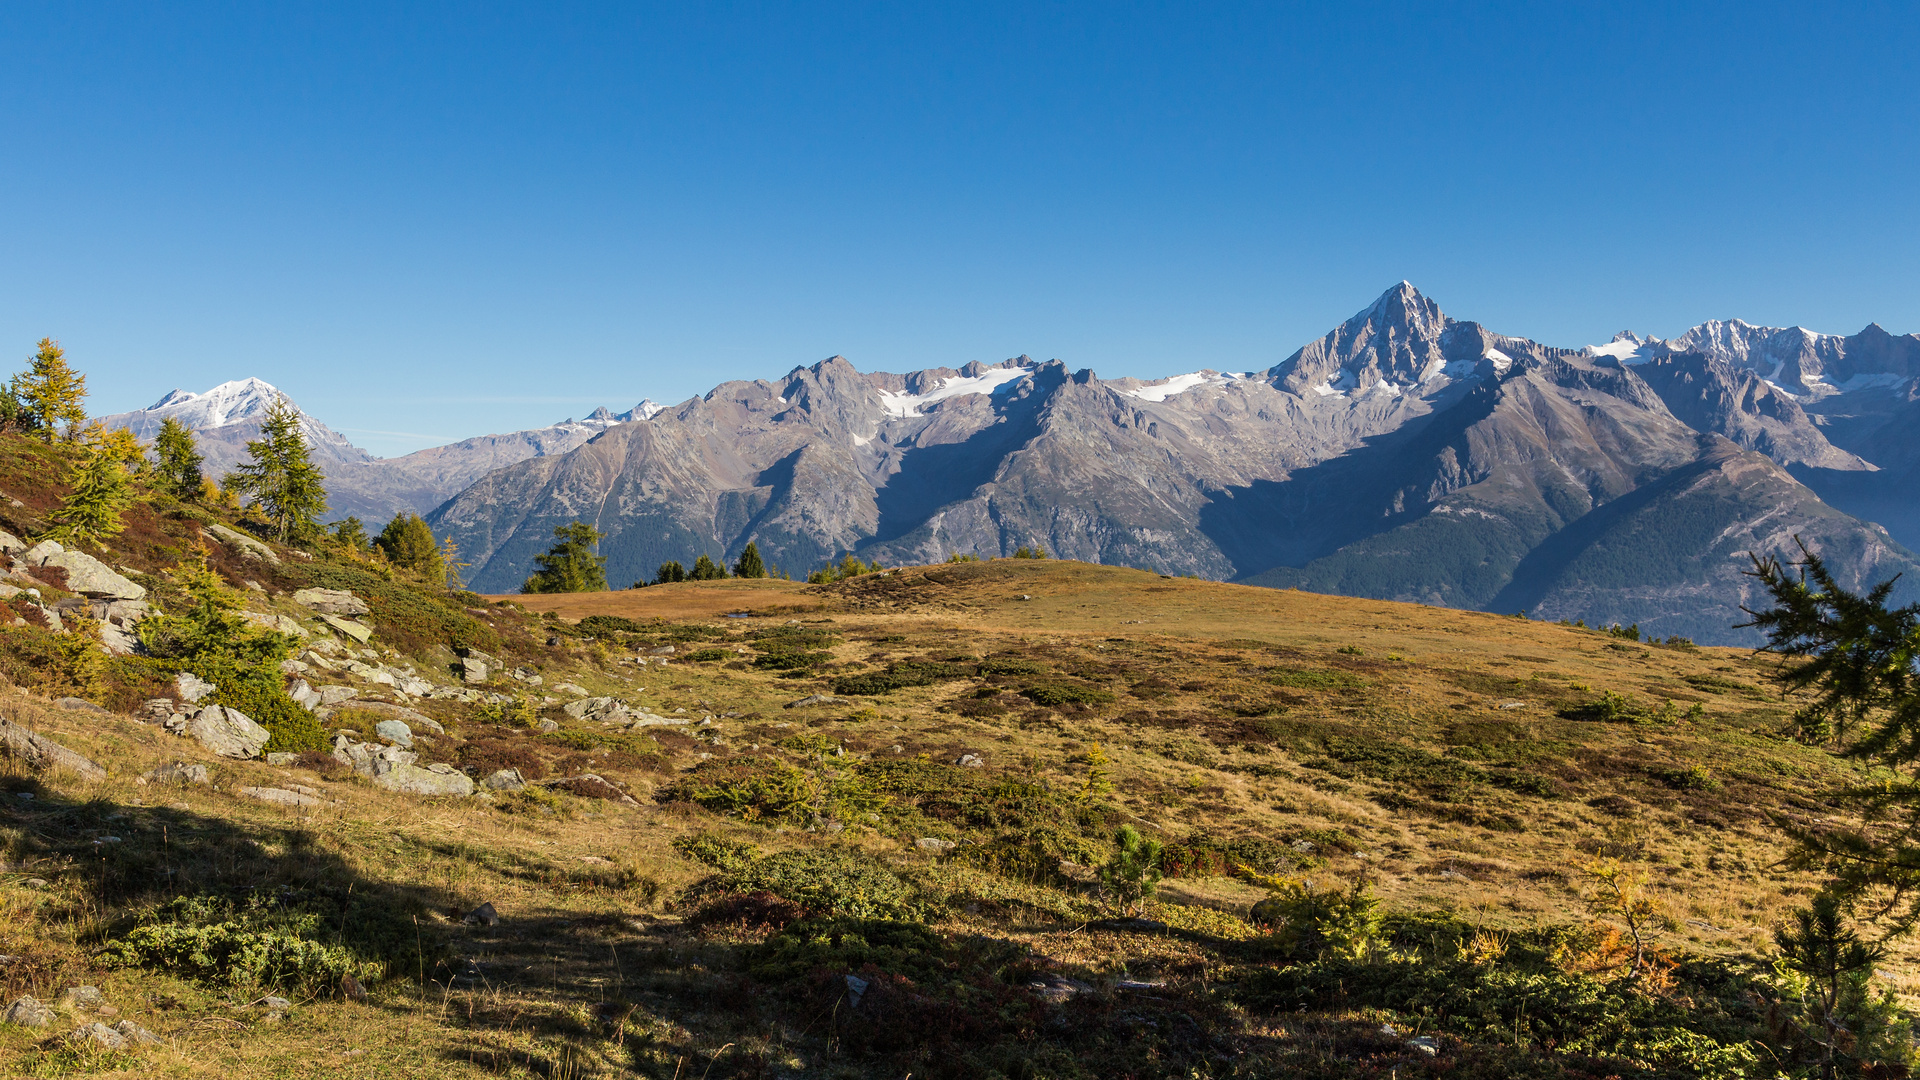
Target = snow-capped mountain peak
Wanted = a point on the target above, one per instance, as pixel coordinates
(228, 403)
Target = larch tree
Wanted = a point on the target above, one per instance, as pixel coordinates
(93, 509)
(280, 478)
(176, 470)
(50, 392)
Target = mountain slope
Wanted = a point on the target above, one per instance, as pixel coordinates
(225, 418)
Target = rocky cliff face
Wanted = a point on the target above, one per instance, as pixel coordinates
(1403, 455)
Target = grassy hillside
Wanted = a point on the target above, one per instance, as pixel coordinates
(698, 911)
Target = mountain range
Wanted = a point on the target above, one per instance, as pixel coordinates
(1403, 455)
(226, 417)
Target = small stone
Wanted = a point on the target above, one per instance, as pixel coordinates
(971, 761)
(935, 845)
(271, 1002)
(28, 1012)
(155, 710)
(351, 989)
(99, 1035)
(135, 1034)
(394, 731)
(856, 988)
(548, 727)
(484, 915)
(1425, 1044)
(178, 773)
(281, 758)
(74, 704)
(84, 998)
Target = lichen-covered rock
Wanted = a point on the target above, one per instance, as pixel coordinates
(508, 780)
(91, 577)
(436, 779)
(331, 601)
(394, 731)
(348, 628)
(281, 796)
(29, 1012)
(41, 552)
(228, 732)
(250, 548)
(191, 687)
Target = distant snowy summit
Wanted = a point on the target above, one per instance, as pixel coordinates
(224, 418)
(1800, 363)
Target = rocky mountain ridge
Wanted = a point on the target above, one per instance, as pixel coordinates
(1404, 455)
(226, 417)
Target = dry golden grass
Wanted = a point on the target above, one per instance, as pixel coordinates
(585, 894)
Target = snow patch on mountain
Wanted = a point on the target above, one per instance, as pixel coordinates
(901, 406)
(1180, 384)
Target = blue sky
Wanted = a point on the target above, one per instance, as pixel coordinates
(433, 221)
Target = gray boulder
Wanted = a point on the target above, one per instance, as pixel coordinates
(306, 696)
(331, 601)
(348, 628)
(191, 687)
(91, 577)
(98, 1034)
(41, 552)
(228, 732)
(280, 796)
(436, 779)
(504, 780)
(593, 708)
(29, 1012)
(11, 544)
(473, 671)
(334, 695)
(249, 547)
(394, 731)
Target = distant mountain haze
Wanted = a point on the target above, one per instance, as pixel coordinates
(1404, 455)
(226, 417)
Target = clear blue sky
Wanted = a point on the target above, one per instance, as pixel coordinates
(432, 221)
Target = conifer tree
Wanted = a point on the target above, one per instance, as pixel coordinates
(92, 511)
(705, 569)
(750, 564)
(670, 571)
(409, 544)
(570, 565)
(50, 392)
(177, 472)
(281, 479)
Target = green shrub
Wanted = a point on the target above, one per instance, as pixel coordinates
(716, 851)
(752, 788)
(602, 625)
(702, 656)
(260, 692)
(208, 939)
(1052, 695)
(825, 881)
(902, 674)
(1316, 679)
(1031, 855)
(802, 948)
(1311, 924)
(1004, 666)
(1609, 708)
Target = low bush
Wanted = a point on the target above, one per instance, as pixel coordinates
(824, 881)
(211, 940)
(1053, 695)
(1316, 679)
(702, 656)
